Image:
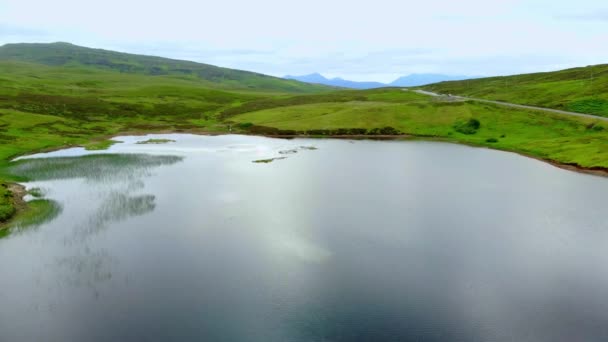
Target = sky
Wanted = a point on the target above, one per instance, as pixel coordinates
(376, 40)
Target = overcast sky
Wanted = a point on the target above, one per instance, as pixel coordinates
(361, 40)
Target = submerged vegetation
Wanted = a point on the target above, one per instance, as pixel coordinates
(61, 95)
(35, 192)
(91, 168)
(155, 141)
(296, 150)
(268, 160)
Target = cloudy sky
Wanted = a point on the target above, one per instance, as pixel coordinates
(361, 40)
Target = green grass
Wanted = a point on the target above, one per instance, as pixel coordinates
(583, 90)
(556, 137)
(100, 145)
(7, 207)
(39, 211)
(44, 107)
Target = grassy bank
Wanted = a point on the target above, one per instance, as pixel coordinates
(564, 139)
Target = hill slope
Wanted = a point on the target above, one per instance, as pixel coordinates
(583, 90)
(69, 55)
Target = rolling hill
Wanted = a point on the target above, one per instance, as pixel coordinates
(69, 55)
(583, 90)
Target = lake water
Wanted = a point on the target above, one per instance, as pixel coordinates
(351, 241)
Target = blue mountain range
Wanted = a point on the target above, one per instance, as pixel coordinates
(412, 80)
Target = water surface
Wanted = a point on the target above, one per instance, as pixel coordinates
(352, 241)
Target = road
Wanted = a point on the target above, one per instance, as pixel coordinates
(514, 105)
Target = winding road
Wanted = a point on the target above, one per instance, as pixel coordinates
(514, 105)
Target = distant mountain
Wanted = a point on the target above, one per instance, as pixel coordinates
(412, 80)
(415, 80)
(335, 82)
(73, 56)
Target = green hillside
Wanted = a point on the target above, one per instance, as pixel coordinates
(583, 90)
(69, 55)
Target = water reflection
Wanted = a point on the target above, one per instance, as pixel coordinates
(117, 207)
(86, 268)
(109, 194)
(102, 168)
(373, 241)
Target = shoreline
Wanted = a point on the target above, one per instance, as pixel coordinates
(597, 171)
(594, 170)
(19, 191)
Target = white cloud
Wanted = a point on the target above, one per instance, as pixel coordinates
(362, 40)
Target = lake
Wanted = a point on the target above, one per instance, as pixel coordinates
(339, 241)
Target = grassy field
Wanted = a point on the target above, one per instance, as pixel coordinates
(50, 100)
(583, 90)
(570, 140)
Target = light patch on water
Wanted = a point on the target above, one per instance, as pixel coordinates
(229, 197)
(287, 244)
(185, 145)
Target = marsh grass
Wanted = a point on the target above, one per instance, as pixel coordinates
(39, 211)
(36, 192)
(268, 160)
(100, 145)
(155, 141)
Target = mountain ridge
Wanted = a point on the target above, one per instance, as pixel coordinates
(412, 80)
(317, 78)
(70, 55)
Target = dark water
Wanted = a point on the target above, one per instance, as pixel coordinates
(354, 241)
